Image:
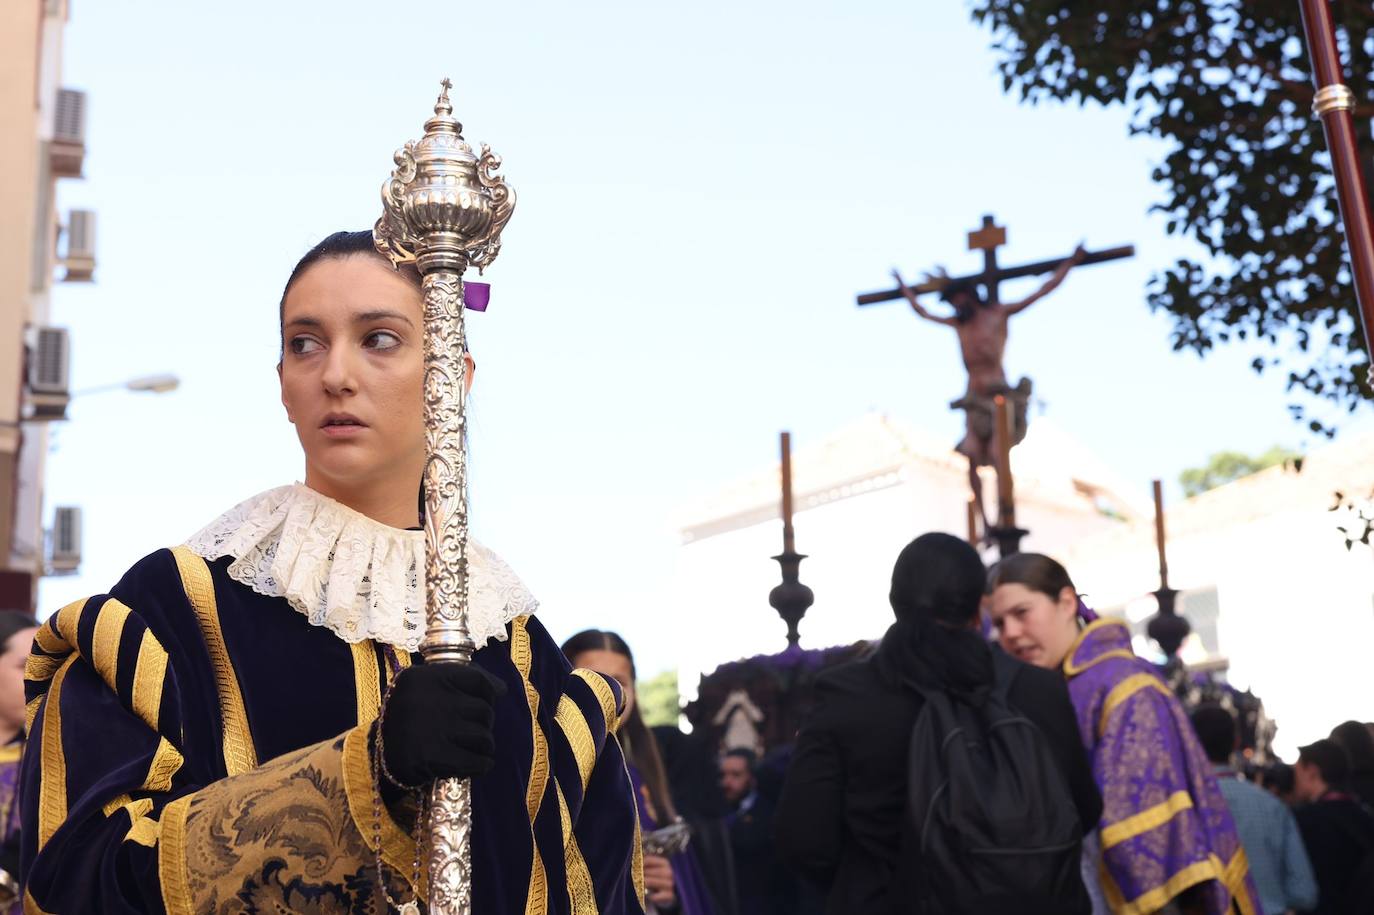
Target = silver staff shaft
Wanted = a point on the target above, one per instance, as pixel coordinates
(443, 209)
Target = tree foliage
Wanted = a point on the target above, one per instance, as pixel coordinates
(1227, 85)
(1227, 466)
(658, 699)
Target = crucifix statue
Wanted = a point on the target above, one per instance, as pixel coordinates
(980, 320)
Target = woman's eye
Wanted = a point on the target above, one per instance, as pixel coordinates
(381, 339)
(302, 345)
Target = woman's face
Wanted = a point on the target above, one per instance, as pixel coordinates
(1032, 626)
(16, 652)
(613, 664)
(352, 371)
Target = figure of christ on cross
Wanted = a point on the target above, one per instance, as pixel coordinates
(981, 325)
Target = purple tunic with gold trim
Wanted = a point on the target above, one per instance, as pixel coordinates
(1165, 826)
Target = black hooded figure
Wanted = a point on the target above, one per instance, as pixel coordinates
(843, 808)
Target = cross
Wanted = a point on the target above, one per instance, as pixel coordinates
(447, 84)
(988, 238)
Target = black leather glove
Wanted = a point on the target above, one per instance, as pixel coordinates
(438, 724)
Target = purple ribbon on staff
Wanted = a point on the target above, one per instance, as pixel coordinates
(476, 296)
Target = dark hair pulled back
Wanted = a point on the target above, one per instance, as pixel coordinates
(1034, 571)
(337, 246)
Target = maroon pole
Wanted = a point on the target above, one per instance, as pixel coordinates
(1333, 104)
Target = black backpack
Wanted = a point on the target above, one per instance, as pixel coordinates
(991, 824)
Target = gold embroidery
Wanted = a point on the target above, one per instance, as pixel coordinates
(579, 737)
(637, 855)
(605, 695)
(581, 890)
(171, 857)
(30, 713)
(109, 626)
(1071, 669)
(520, 653)
(116, 804)
(1153, 900)
(1124, 690)
(295, 813)
(366, 682)
(11, 752)
(149, 672)
(398, 848)
(166, 761)
(143, 832)
(52, 791)
(240, 756)
(65, 621)
(40, 667)
(50, 642)
(1154, 817)
(1236, 872)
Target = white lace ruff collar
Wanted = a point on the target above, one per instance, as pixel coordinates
(349, 573)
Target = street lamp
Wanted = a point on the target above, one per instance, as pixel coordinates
(157, 384)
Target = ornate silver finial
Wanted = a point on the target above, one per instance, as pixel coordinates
(444, 207)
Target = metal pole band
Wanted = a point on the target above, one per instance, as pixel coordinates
(1335, 97)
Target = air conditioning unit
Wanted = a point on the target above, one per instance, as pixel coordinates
(65, 557)
(49, 371)
(80, 259)
(68, 149)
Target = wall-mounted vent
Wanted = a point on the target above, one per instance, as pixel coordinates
(66, 540)
(80, 259)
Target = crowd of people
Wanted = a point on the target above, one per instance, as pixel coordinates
(245, 723)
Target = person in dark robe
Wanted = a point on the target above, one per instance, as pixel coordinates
(1337, 829)
(843, 821)
(1166, 837)
(675, 882)
(1358, 743)
(243, 723)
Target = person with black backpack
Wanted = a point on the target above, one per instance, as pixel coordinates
(940, 776)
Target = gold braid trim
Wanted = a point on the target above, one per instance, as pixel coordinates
(1145, 820)
(637, 856)
(149, 673)
(1152, 901)
(49, 642)
(1236, 872)
(166, 762)
(579, 736)
(1071, 669)
(40, 667)
(171, 857)
(398, 848)
(143, 832)
(605, 695)
(30, 713)
(240, 755)
(581, 890)
(114, 805)
(109, 627)
(537, 900)
(12, 752)
(366, 681)
(1125, 690)
(52, 791)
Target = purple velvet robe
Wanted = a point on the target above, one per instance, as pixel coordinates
(9, 808)
(1165, 826)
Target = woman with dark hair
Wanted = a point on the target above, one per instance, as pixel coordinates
(842, 818)
(16, 637)
(1166, 841)
(244, 723)
(674, 883)
(1358, 744)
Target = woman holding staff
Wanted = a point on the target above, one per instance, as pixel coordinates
(243, 722)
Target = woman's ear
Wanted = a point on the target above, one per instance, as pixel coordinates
(469, 370)
(1068, 601)
(289, 418)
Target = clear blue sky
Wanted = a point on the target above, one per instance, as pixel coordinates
(703, 188)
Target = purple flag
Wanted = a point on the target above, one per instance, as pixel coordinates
(476, 296)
